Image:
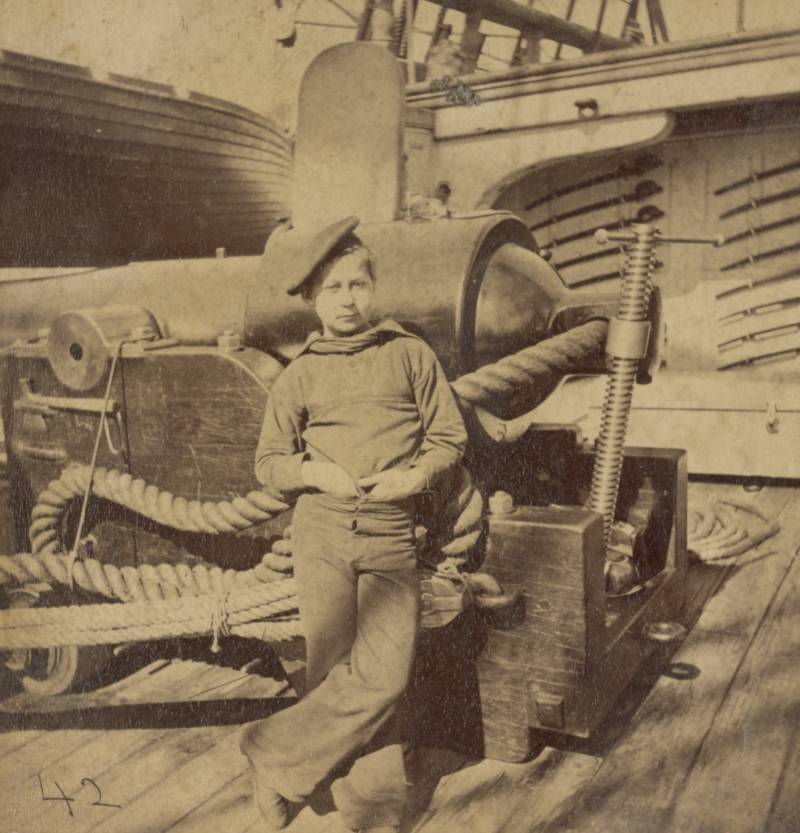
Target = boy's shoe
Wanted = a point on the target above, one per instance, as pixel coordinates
(273, 806)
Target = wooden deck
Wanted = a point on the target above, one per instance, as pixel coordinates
(705, 741)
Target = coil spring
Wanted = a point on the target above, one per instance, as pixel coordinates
(609, 448)
(400, 33)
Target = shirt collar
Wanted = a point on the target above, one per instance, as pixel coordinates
(355, 342)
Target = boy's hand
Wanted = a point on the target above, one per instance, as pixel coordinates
(328, 478)
(394, 484)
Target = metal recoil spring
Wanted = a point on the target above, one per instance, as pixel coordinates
(628, 338)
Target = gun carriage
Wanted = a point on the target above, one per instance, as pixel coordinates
(132, 398)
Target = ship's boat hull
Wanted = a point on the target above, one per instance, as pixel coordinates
(97, 171)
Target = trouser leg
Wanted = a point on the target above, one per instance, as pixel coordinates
(326, 589)
(327, 596)
(374, 791)
(297, 750)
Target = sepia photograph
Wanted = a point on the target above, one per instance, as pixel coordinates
(400, 416)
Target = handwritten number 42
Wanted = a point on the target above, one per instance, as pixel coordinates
(68, 800)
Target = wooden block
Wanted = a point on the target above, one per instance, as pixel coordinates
(549, 555)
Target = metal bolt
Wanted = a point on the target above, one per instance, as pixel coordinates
(229, 341)
(501, 503)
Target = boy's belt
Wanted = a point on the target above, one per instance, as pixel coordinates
(364, 506)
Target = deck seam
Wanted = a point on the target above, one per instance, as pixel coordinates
(743, 659)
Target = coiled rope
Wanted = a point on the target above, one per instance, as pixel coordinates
(186, 600)
(726, 527)
(147, 500)
(168, 600)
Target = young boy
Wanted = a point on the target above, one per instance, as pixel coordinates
(357, 425)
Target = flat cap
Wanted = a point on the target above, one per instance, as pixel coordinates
(292, 255)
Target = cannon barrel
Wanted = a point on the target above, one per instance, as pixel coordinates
(473, 287)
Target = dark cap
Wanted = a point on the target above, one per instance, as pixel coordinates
(293, 255)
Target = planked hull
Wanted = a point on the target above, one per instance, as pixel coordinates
(103, 171)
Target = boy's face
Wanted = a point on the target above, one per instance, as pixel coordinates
(343, 297)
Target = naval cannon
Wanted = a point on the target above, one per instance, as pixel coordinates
(132, 399)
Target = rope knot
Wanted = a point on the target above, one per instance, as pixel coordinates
(220, 618)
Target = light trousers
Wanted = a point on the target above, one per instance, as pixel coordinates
(355, 568)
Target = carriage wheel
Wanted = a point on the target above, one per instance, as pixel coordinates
(51, 671)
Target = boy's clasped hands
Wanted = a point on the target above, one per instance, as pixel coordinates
(385, 486)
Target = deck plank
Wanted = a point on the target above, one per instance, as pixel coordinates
(473, 780)
(230, 808)
(92, 745)
(106, 748)
(188, 782)
(428, 771)
(24, 806)
(743, 755)
(176, 773)
(683, 745)
(783, 816)
(131, 779)
(13, 739)
(24, 763)
(548, 798)
(636, 786)
(104, 756)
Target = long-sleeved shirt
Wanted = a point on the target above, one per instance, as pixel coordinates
(371, 403)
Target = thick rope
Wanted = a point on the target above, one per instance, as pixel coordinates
(143, 583)
(536, 366)
(216, 592)
(175, 512)
(168, 601)
(456, 518)
(717, 530)
(178, 513)
(149, 501)
(244, 613)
